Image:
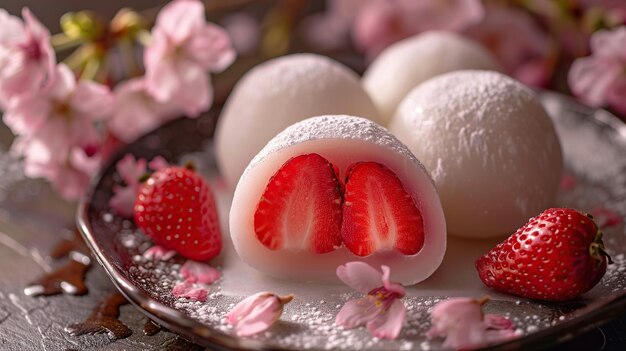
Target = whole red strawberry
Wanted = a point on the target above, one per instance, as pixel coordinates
(556, 256)
(175, 208)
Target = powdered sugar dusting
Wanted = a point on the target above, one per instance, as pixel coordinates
(334, 127)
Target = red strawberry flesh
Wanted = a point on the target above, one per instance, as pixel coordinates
(378, 213)
(301, 207)
(175, 207)
(558, 255)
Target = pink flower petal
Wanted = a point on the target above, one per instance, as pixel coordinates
(63, 83)
(360, 276)
(92, 100)
(26, 56)
(496, 321)
(160, 253)
(199, 272)
(162, 78)
(181, 18)
(462, 323)
(356, 313)
(123, 200)
(256, 313)
(11, 28)
(136, 111)
(26, 114)
(211, 48)
(262, 315)
(244, 307)
(387, 325)
(84, 160)
(609, 44)
(130, 169)
(41, 37)
(124, 197)
(196, 93)
(191, 291)
(591, 78)
(393, 287)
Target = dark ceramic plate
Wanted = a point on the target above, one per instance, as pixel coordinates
(594, 144)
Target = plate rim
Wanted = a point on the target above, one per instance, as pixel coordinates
(200, 333)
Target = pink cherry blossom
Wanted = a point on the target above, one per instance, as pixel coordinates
(256, 313)
(198, 272)
(159, 253)
(192, 291)
(521, 46)
(375, 24)
(464, 326)
(57, 137)
(63, 113)
(600, 79)
(137, 112)
(183, 48)
(26, 56)
(381, 310)
(131, 170)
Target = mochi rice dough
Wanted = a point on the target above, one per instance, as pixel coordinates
(407, 63)
(277, 94)
(334, 189)
(489, 145)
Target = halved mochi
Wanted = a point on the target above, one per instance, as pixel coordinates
(390, 210)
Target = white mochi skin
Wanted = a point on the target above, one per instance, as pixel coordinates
(488, 144)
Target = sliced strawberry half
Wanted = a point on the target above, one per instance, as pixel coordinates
(378, 213)
(301, 207)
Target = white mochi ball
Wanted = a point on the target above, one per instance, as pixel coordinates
(407, 63)
(277, 94)
(489, 145)
(342, 140)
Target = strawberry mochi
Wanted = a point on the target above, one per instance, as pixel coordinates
(333, 189)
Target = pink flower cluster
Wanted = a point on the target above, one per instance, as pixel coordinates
(375, 24)
(65, 128)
